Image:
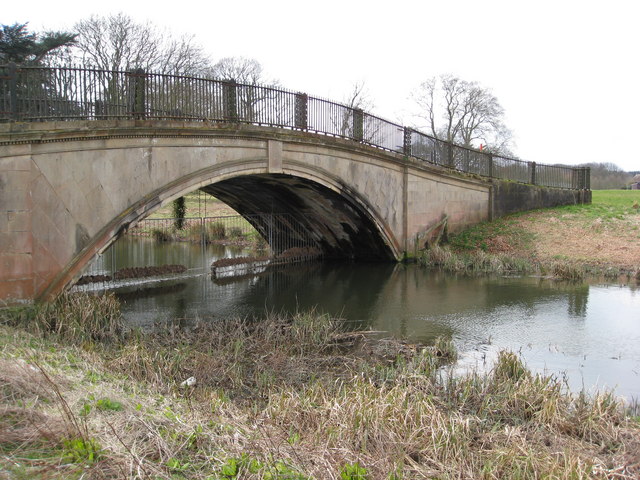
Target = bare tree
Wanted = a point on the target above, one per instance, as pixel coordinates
(481, 115)
(441, 102)
(358, 98)
(243, 70)
(357, 102)
(256, 95)
(117, 42)
(463, 112)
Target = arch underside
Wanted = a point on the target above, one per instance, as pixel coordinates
(339, 227)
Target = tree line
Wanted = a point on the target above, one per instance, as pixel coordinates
(452, 109)
(608, 176)
(119, 43)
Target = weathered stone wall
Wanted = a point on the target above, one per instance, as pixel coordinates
(16, 262)
(432, 196)
(511, 197)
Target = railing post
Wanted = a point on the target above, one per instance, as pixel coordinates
(13, 91)
(99, 110)
(301, 114)
(490, 165)
(532, 173)
(230, 100)
(406, 141)
(141, 92)
(137, 88)
(579, 178)
(358, 124)
(466, 161)
(586, 185)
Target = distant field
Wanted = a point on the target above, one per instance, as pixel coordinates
(620, 199)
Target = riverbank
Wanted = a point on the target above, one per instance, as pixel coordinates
(601, 239)
(287, 398)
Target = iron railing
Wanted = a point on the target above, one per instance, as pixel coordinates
(29, 93)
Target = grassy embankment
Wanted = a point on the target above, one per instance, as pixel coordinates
(602, 239)
(286, 398)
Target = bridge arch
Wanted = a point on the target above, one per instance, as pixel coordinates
(87, 188)
(339, 219)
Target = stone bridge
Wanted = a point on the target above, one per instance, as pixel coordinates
(128, 142)
(68, 189)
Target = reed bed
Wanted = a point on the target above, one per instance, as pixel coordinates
(477, 261)
(446, 258)
(292, 397)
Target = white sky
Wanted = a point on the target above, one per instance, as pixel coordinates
(566, 72)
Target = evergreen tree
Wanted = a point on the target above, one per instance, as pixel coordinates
(19, 46)
(179, 210)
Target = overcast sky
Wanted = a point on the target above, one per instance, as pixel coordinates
(566, 72)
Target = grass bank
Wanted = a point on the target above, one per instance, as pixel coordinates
(602, 238)
(197, 204)
(285, 398)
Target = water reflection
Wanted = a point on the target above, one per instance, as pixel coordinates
(578, 300)
(131, 251)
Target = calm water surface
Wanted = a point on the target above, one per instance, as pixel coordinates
(588, 333)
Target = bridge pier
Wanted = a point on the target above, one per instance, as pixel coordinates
(16, 240)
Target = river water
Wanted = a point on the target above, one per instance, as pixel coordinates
(587, 333)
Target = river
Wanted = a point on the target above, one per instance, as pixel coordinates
(587, 333)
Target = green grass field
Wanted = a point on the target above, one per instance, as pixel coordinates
(601, 239)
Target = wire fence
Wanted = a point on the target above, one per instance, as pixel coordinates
(161, 249)
(29, 94)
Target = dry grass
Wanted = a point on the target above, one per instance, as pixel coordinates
(567, 242)
(291, 398)
(71, 317)
(477, 261)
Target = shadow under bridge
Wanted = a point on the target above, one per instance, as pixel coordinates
(339, 227)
